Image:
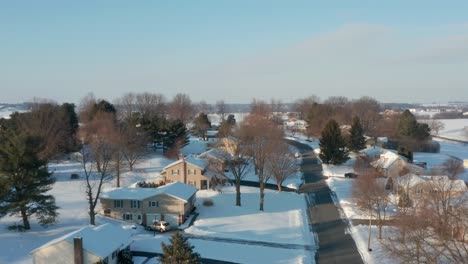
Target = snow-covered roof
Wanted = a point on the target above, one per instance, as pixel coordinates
(372, 151)
(101, 240)
(443, 182)
(439, 181)
(214, 153)
(172, 164)
(201, 163)
(409, 180)
(176, 189)
(387, 158)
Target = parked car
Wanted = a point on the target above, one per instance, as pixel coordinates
(161, 226)
(351, 175)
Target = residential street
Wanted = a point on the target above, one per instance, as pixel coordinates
(335, 244)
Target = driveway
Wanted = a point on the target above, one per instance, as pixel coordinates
(335, 243)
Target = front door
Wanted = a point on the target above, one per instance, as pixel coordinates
(204, 184)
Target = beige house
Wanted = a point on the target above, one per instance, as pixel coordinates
(416, 185)
(172, 203)
(390, 164)
(87, 245)
(190, 170)
(228, 144)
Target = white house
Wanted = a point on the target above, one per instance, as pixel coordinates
(90, 244)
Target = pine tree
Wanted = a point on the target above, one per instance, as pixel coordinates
(25, 180)
(201, 125)
(178, 251)
(407, 124)
(333, 145)
(356, 137)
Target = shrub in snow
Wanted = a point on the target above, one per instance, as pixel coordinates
(208, 202)
(144, 184)
(125, 257)
(74, 176)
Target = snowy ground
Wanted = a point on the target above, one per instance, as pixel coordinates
(343, 190)
(69, 195)
(283, 221)
(454, 128)
(455, 149)
(238, 253)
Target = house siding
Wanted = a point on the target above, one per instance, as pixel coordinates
(192, 179)
(166, 205)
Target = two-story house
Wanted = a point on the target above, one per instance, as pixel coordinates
(190, 170)
(172, 203)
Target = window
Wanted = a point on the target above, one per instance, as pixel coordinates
(134, 204)
(175, 172)
(139, 217)
(192, 183)
(153, 204)
(118, 203)
(128, 217)
(191, 171)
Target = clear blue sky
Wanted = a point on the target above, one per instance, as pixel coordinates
(395, 51)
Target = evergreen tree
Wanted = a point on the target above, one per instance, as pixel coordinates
(226, 126)
(333, 145)
(178, 251)
(176, 135)
(356, 137)
(25, 180)
(407, 124)
(201, 125)
(409, 127)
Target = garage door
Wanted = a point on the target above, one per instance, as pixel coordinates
(151, 217)
(172, 219)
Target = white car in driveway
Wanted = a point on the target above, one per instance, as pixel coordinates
(161, 226)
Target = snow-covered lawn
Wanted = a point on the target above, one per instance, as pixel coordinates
(69, 195)
(284, 219)
(239, 253)
(378, 255)
(330, 170)
(455, 149)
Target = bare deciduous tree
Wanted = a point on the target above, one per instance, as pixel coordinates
(303, 106)
(98, 151)
(368, 111)
(221, 108)
(134, 144)
(181, 108)
(371, 197)
(259, 108)
(261, 135)
(237, 164)
(281, 164)
(436, 126)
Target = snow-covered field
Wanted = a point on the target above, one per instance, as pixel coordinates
(454, 128)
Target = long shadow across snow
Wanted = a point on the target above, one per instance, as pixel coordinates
(335, 244)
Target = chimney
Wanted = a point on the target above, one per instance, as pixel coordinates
(78, 250)
(181, 156)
